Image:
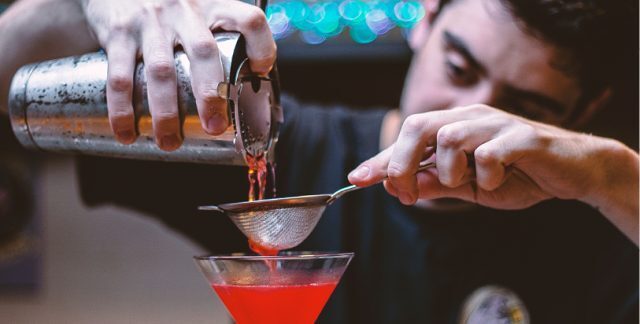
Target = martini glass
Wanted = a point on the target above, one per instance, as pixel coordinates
(292, 287)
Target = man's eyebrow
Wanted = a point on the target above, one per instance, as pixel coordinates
(538, 99)
(458, 44)
(461, 47)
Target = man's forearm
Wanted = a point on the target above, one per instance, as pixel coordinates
(616, 193)
(36, 30)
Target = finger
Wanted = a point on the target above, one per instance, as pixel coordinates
(251, 22)
(206, 70)
(417, 132)
(121, 53)
(431, 188)
(388, 186)
(160, 72)
(493, 159)
(372, 170)
(455, 142)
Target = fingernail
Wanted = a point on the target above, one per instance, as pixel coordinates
(216, 123)
(405, 198)
(126, 136)
(360, 173)
(169, 142)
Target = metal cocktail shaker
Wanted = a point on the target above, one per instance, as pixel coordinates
(61, 106)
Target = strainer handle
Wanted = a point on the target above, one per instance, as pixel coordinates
(341, 193)
(351, 188)
(214, 208)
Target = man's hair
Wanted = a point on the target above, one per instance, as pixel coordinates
(597, 39)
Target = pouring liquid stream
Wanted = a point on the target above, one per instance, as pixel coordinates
(259, 174)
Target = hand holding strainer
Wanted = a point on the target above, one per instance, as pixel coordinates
(282, 223)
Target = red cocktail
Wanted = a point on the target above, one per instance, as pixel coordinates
(289, 288)
(273, 304)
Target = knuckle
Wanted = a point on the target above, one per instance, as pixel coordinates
(533, 137)
(265, 60)
(255, 20)
(162, 70)
(413, 124)
(477, 110)
(481, 107)
(484, 156)
(449, 137)
(396, 170)
(120, 82)
(122, 27)
(204, 48)
(526, 129)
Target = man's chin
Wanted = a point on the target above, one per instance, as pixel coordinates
(445, 205)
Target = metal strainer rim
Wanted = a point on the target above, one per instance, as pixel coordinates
(275, 203)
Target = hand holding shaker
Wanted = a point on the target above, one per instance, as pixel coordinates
(61, 106)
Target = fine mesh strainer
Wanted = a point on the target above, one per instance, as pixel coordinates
(282, 223)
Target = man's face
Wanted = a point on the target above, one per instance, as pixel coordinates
(474, 52)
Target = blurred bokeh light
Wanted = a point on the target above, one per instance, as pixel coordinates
(364, 21)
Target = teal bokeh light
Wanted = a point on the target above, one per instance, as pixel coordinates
(278, 21)
(407, 13)
(316, 14)
(352, 11)
(318, 20)
(362, 34)
(311, 37)
(330, 21)
(297, 11)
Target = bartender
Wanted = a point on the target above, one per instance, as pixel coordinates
(495, 95)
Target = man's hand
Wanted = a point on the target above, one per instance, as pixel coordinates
(492, 158)
(129, 29)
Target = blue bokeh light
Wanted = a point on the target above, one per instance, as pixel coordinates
(317, 21)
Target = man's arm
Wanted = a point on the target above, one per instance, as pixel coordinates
(615, 192)
(36, 30)
(499, 160)
(132, 29)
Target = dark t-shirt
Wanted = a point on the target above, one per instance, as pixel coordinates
(565, 261)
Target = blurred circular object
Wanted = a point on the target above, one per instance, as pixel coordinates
(278, 21)
(297, 11)
(378, 22)
(352, 11)
(407, 13)
(362, 34)
(330, 22)
(494, 305)
(311, 37)
(316, 14)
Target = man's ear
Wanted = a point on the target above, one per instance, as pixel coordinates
(420, 31)
(593, 106)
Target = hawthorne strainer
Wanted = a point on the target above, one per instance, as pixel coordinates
(282, 223)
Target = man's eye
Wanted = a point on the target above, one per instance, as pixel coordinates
(530, 111)
(520, 110)
(460, 74)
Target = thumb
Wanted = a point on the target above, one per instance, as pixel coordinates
(372, 170)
